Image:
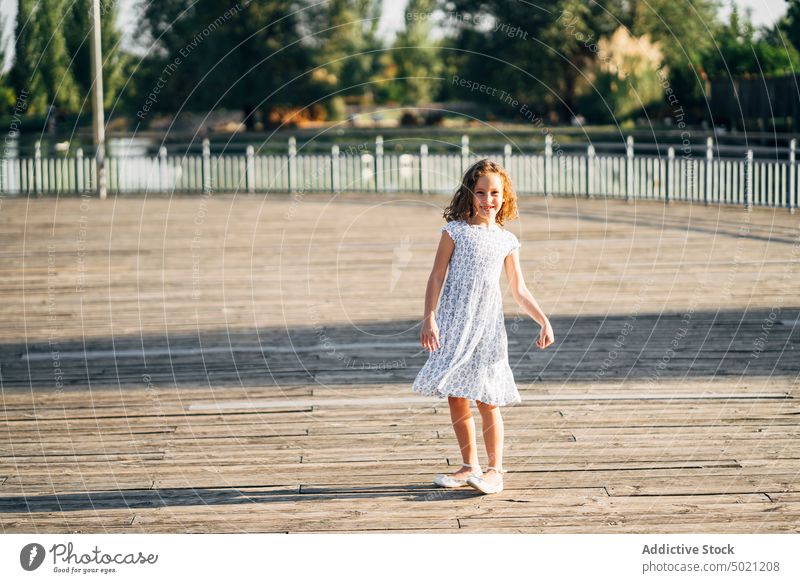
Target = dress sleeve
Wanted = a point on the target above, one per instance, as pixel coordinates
(452, 229)
(513, 243)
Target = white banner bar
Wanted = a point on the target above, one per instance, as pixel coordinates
(399, 557)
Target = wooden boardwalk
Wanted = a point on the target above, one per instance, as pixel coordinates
(243, 364)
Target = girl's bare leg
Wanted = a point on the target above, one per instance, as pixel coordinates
(493, 435)
(464, 427)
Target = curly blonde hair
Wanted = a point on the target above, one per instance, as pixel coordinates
(461, 206)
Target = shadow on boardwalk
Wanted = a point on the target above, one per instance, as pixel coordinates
(644, 346)
(176, 497)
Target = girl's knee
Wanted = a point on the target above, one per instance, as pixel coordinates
(460, 406)
(458, 401)
(486, 407)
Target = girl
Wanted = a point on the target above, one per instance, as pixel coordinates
(466, 338)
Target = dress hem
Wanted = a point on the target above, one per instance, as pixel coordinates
(444, 396)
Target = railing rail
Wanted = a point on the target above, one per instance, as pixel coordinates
(710, 180)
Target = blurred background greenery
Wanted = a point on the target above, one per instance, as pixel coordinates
(262, 65)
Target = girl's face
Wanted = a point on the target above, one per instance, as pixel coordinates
(488, 197)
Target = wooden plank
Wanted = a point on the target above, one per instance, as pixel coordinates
(755, 523)
(785, 482)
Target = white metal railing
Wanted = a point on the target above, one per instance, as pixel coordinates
(709, 180)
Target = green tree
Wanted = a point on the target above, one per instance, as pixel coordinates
(201, 55)
(416, 56)
(575, 40)
(42, 62)
(684, 31)
(625, 78)
(680, 28)
(547, 64)
(522, 66)
(77, 31)
(346, 50)
(742, 51)
(538, 55)
(790, 24)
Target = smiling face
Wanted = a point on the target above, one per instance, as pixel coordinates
(488, 196)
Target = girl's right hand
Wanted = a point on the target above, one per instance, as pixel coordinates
(545, 335)
(429, 336)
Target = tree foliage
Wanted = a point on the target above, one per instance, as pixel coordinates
(77, 36)
(279, 61)
(42, 66)
(203, 54)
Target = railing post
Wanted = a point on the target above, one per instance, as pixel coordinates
(37, 167)
(250, 168)
(548, 162)
(292, 182)
(628, 168)
(423, 168)
(335, 186)
(162, 168)
(709, 167)
(464, 153)
(79, 183)
(792, 176)
(590, 154)
(507, 156)
(670, 174)
(379, 181)
(206, 166)
(749, 180)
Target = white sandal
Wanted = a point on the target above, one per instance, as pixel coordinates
(482, 485)
(448, 481)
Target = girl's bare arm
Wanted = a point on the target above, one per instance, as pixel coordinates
(525, 299)
(429, 335)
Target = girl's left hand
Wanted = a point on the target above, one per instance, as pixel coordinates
(545, 336)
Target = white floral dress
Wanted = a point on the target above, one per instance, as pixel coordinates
(472, 361)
